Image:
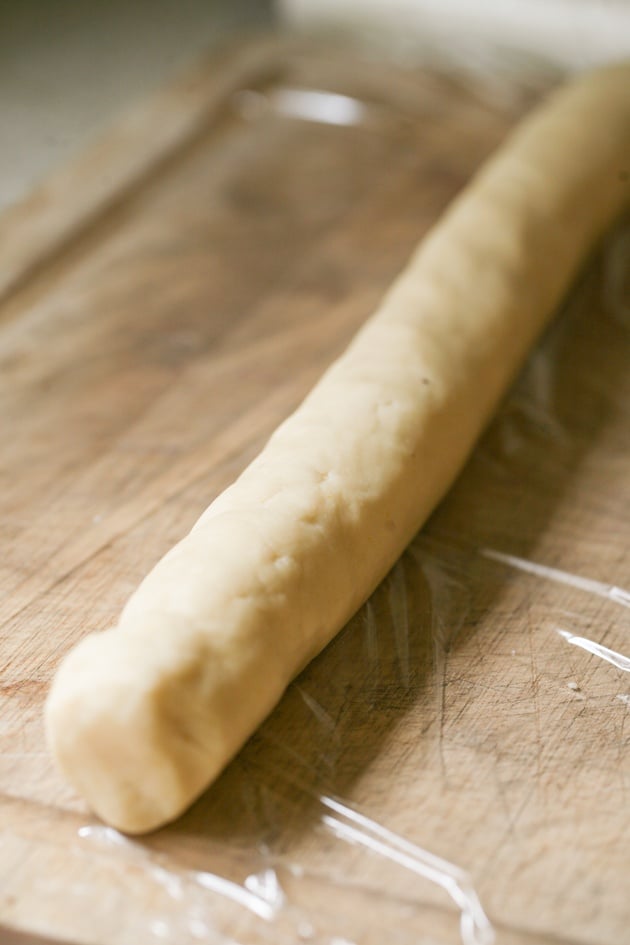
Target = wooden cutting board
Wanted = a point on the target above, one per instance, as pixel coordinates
(165, 302)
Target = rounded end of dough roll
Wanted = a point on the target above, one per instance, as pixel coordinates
(119, 725)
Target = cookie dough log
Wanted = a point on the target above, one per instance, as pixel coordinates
(143, 717)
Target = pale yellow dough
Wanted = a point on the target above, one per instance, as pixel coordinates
(143, 717)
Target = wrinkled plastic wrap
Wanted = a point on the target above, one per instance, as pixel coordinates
(451, 769)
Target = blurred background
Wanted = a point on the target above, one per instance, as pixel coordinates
(67, 66)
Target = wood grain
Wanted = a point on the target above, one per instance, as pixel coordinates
(152, 335)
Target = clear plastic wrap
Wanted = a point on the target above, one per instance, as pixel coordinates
(452, 768)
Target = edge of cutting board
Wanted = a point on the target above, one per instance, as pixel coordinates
(139, 142)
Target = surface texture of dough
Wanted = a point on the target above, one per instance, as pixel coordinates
(143, 717)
